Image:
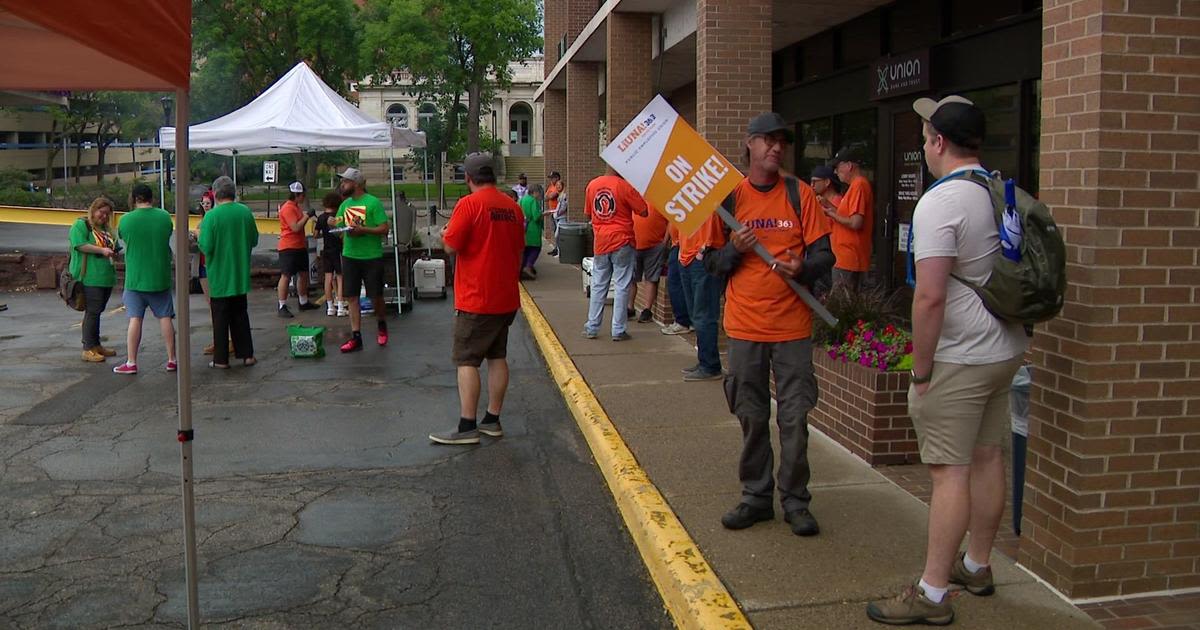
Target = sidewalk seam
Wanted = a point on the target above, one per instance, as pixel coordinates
(693, 594)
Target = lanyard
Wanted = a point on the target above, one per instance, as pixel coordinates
(911, 267)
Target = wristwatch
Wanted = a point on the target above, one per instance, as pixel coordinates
(920, 380)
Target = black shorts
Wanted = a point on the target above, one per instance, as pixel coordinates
(357, 272)
(331, 262)
(478, 337)
(293, 262)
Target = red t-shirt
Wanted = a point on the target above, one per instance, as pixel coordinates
(759, 304)
(289, 215)
(611, 203)
(487, 231)
(649, 230)
(852, 248)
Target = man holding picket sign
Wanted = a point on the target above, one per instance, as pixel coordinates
(768, 310)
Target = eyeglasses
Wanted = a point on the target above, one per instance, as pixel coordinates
(773, 140)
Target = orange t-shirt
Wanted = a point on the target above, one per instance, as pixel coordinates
(673, 232)
(852, 248)
(649, 230)
(487, 231)
(552, 203)
(290, 214)
(611, 203)
(690, 245)
(759, 304)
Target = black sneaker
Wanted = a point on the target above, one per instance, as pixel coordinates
(646, 317)
(745, 515)
(309, 306)
(622, 337)
(630, 313)
(285, 313)
(803, 522)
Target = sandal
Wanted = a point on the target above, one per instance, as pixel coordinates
(217, 366)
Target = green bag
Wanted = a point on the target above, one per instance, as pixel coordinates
(306, 342)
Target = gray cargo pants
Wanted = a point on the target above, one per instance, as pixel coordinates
(747, 388)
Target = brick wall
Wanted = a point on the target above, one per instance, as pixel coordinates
(865, 411)
(733, 69)
(629, 86)
(554, 128)
(1112, 499)
(583, 133)
(555, 24)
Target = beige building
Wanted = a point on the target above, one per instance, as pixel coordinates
(512, 116)
(24, 137)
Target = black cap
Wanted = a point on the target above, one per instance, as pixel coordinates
(478, 164)
(851, 153)
(769, 123)
(555, 175)
(956, 118)
(822, 172)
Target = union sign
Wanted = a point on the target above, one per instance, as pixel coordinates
(900, 74)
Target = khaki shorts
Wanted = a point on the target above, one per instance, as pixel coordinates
(478, 337)
(965, 406)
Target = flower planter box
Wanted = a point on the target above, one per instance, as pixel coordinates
(864, 410)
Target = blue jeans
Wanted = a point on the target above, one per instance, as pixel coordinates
(703, 295)
(606, 267)
(679, 305)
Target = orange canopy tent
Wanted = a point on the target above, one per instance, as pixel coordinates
(63, 45)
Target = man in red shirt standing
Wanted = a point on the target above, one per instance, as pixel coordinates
(293, 249)
(852, 220)
(610, 204)
(487, 232)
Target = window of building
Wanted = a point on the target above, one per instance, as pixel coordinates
(964, 17)
(858, 41)
(397, 115)
(1001, 149)
(819, 55)
(820, 139)
(913, 25)
(814, 146)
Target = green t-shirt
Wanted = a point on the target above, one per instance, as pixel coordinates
(228, 235)
(100, 272)
(365, 211)
(146, 233)
(532, 210)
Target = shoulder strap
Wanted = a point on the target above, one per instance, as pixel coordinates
(793, 191)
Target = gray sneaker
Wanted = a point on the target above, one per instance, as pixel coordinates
(700, 374)
(590, 335)
(690, 369)
(675, 329)
(491, 429)
(455, 438)
(622, 337)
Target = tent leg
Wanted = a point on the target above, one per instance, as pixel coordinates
(235, 170)
(395, 225)
(183, 345)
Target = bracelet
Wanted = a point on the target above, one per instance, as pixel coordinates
(920, 380)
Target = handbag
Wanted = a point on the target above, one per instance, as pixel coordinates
(70, 288)
(306, 342)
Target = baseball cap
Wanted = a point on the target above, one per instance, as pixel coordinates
(822, 172)
(768, 123)
(296, 187)
(478, 164)
(849, 154)
(956, 118)
(555, 175)
(354, 175)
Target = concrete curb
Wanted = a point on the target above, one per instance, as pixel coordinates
(694, 596)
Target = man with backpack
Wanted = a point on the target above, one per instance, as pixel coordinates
(768, 325)
(964, 359)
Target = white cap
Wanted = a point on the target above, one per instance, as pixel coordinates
(296, 187)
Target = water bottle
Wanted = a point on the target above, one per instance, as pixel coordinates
(1010, 228)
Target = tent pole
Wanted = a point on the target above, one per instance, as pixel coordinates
(395, 224)
(425, 177)
(183, 346)
(235, 170)
(162, 165)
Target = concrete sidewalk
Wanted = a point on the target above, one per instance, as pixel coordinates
(873, 532)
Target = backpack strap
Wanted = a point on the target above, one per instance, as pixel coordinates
(974, 175)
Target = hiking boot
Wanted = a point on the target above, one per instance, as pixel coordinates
(455, 438)
(352, 345)
(92, 355)
(285, 312)
(979, 583)
(744, 515)
(701, 374)
(624, 336)
(646, 317)
(491, 429)
(308, 306)
(108, 352)
(911, 606)
(125, 368)
(803, 522)
(675, 329)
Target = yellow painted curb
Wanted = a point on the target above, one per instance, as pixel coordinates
(66, 216)
(693, 594)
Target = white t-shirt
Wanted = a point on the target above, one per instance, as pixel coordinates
(955, 219)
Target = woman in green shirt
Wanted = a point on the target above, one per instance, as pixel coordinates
(92, 249)
(531, 207)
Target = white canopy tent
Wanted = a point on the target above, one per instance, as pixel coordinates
(299, 113)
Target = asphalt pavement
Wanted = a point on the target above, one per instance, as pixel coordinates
(320, 502)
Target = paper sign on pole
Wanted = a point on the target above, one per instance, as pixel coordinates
(673, 166)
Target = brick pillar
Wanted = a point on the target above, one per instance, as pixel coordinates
(583, 133)
(555, 26)
(733, 69)
(554, 130)
(1112, 495)
(629, 82)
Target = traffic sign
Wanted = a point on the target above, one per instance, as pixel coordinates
(270, 172)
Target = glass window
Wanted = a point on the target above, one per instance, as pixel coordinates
(1034, 138)
(814, 146)
(859, 41)
(397, 115)
(914, 25)
(818, 55)
(1001, 148)
(970, 16)
(859, 129)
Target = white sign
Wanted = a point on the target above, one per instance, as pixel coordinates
(904, 228)
(270, 172)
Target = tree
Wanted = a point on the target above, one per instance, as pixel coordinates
(451, 48)
(241, 47)
(129, 115)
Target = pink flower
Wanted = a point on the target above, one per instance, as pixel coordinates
(833, 354)
(869, 335)
(864, 360)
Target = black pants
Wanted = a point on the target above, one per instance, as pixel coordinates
(230, 318)
(96, 298)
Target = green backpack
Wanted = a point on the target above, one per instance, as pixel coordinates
(1031, 290)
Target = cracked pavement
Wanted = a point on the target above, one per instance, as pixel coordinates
(319, 501)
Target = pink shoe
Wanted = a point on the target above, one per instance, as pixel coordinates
(382, 338)
(172, 366)
(352, 346)
(125, 368)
